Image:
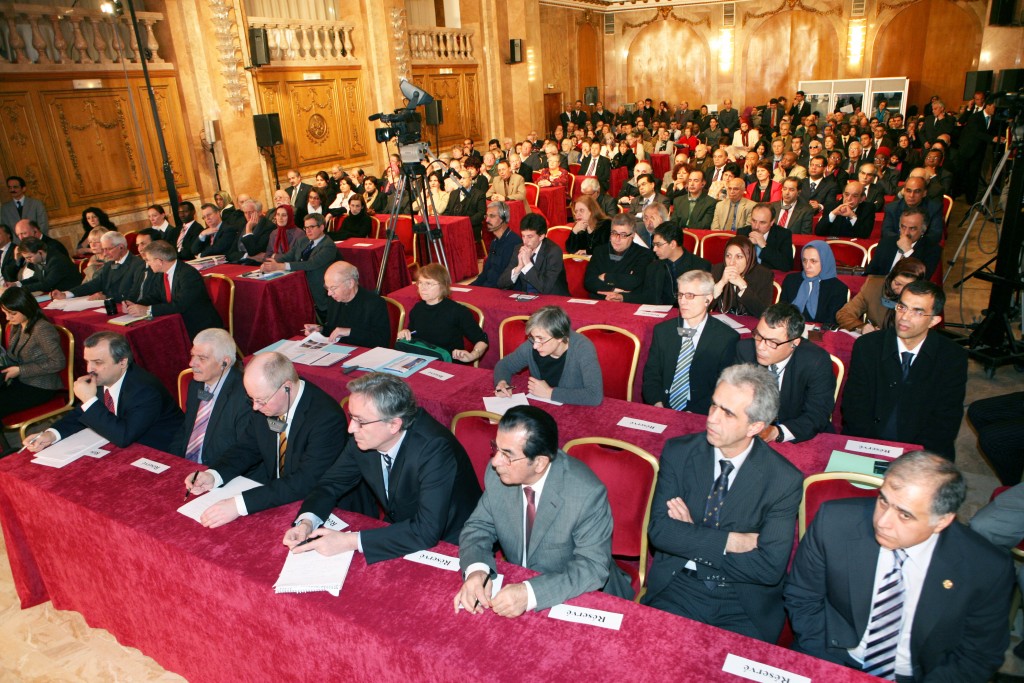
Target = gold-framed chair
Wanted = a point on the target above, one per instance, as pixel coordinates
(614, 345)
(184, 379)
(396, 316)
(575, 274)
(221, 289)
(712, 246)
(778, 292)
(63, 402)
(479, 315)
(820, 488)
(511, 333)
(839, 370)
(475, 429)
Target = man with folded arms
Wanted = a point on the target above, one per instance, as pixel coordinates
(419, 473)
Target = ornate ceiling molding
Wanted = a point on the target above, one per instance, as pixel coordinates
(665, 14)
(790, 6)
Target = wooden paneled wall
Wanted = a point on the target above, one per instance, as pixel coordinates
(81, 148)
(323, 121)
(459, 93)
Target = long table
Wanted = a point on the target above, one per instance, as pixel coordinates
(368, 254)
(551, 204)
(459, 245)
(102, 538)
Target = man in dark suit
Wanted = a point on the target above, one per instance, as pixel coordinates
(218, 414)
(537, 267)
(574, 115)
(979, 133)
(618, 266)
(419, 473)
(311, 254)
(187, 230)
(720, 558)
(598, 166)
(801, 107)
(468, 201)
(944, 590)
(49, 271)
(688, 354)
(818, 187)
(26, 228)
(661, 276)
(299, 432)
(874, 194)
(119, 278)
(548, 512)
(806, 383)
(8, 254)
(850, 216)
(647, 194)
(773, 244)
(297, 190)
(911, 242)
(793, 212)
(914, 194)
(695, 209)
(23, 207)
(905, 384)
(354, 315)
(504, 245)
(218, 238)
(133, 407)
(177, 288)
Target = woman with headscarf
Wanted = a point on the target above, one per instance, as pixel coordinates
(816, 291)
(742, 285)
(287, 232)
(874, 307)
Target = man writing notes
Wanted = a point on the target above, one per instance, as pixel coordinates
(723, 514)
(418, 472)
(354, 315)
(896, 587)
(548, 512)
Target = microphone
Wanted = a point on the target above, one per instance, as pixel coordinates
(204, 393)
(375, 117)
(277, 425)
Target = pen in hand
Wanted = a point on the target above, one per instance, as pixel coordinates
(188, 491)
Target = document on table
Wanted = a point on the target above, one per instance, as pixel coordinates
(315, 349)
(310, 571)
(653, 311)
(260, 275)
(127, 319)
(500, 404)
(76, 304)
(198, 505)
(739, 327)
(544, 400)
(65, 451)
(399, 363)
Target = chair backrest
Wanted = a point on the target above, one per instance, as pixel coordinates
(184, 379)
(573, 191)
(575, 273)
(396, 316)
(375, 230)
(814, 221)
(130, 238)
(333, 223)
(23, 419)
(478, 315)
(691, 241)
(778, 291)
(511, 333)
(532, 192)
(712, 246)
(574, 169)
(475, 429)
(221, 289)
(405, 234)
(559, 235)
(839, 370)
(947, 207)
(630, 474)
(821, 488)
(876, 229)
(344, 407)
(618, 352)
(849, 253)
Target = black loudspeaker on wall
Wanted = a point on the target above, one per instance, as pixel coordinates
(435, 113)
(1002, 13)
(1010, 80)
(268, 129)
(515, 51)
(259, 50)
(977, 81)
(590, 96)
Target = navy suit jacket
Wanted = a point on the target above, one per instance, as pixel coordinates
(778, 250)
(188, 297)
(885, 254)
(547, 275)
(146, 414)
(715, 352)
(118, 282)
(841, 226)
(230, 426)
(222, 242)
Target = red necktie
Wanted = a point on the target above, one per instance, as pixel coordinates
(784, 218)
(108, 401)
(167, 287)
(531, 514)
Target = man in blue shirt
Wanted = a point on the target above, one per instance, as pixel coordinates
(503, 248)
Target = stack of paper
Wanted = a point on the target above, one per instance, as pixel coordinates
(734, 324)
(66, 451)
(393, 362)
(207, 262)
(197, 506)
(315, 349)
(310, 571)
(127, 319)
(260, 275)
(80, 303)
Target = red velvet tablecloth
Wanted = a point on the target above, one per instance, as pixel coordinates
(660, 164)
(102, 538)
(459, 246)
(551, 204)
(618, 177)
(367, 255)
(160, 345)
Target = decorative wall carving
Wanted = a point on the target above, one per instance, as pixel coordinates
(459, 93)
(400, 34)
(789, 6)
(664, 14)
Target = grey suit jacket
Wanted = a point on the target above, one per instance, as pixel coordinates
(581, 383)
(38, 354)
(323, 255)
(31, 208)
(571, 542)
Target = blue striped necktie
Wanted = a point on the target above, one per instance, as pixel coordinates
(679, 391)
(885, 621)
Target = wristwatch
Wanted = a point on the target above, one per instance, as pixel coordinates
(781, 436)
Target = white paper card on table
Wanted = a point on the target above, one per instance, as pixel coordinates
(95, 453)
(582, 301)
(363, 244)
(436, 374)
(756, 671)
(543, 400)
(197, 506)
(461, 289)
(736, 325)
(853, 333)
(70, 449)
(500, 404)
(642, 425)
(151, 465)
(654, 308)
(432, 559)
(127, 319)
(523, 297)
(873, 448)
(334, 523)
(651, 314)
(585, 615)
(310, 571)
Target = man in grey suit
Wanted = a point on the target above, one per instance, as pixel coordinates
(22, 206)
(723, 514)
(548, 512)
(312, 254)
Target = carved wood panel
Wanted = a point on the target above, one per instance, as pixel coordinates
(313, 106)
(174, 128)
(667, 60)
(459, 94)
(270, 101)
(355, 124)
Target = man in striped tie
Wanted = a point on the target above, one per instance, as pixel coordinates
(895, 586)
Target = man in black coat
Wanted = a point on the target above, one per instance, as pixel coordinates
(818, 188)
(695, 209)
(848, 217)
(979, 133)
(661, 276)
(186, 232)
(598, 166)
(911, 242)
(418, 472)
(118, 279)
(354, 315)
(618, 266)
(537, 267)
(49, 271)
(468, 201)
(914, 194)
(218, 238)
(773, 244)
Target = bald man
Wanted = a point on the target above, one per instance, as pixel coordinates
(354, 315)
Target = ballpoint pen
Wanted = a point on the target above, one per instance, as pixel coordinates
(188, 491)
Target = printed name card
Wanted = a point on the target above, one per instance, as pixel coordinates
(642, 425)
(436, 374)
(585, 615)
(362, 244)
(151, 465)
(874, 448)
(435, 560)
(651, 314)
(334, 523)
(756, 671)
(582, 301)
(461, 289)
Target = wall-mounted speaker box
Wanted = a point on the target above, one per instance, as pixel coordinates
(259, 49)
(1010, 80)
(435, 113)
(1002, 13)
(268, 129)
(515, 51)
(975, 81)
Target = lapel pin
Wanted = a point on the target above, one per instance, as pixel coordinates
(947, 584)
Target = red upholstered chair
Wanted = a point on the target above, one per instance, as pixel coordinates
(344, 407)
(375, 231)
(532, 192)
(849, 253)
(62, 402)
(184, 379)
(618, 352)
(574, 169)
(221, 289)
(820, 488)
(396, 316)
(575, 270)
(839, 370)
(475, 430)
(814, 221)
(130, 237)
(559, 234)
(478, 315)
(876, 229)
(871, 251)
(511, 333)
(629, 473)
(691, 241)
(333, 223)
(572, 192)
(947, 207)
(405, 235)
(712, 247)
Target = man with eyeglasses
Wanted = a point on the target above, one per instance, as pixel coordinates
(914, 194)
(802, 369)
(218, 237)
(418, 472)
(905, 384)
(687, 354)
(661, 276)
(547, 512)
(911, 243)
(119, 278)
(312, 254)
(298, 437)
(695, 209)
(618, 266)
(354, 315)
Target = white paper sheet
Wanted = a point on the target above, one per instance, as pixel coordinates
(436, 374)
(310, 571)
(432, 559)
(543, 400)
(70, 449)
(198, 505)
(80, 303)
(582, 301)
(127, 319)
(500, 404)
(642, 425)
(654, 308)
(739, 327)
